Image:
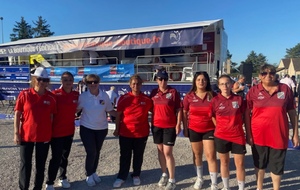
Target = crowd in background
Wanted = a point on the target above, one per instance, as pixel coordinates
(216, 123)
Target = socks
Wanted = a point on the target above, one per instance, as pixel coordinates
(213, 177)
(241, 185)
(225, 182)
(199, 170)
(172, 180)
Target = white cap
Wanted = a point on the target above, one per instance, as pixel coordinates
(40, 72)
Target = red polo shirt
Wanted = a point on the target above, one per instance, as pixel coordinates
(229, 118)
(165, 106)
(36, 124)
(134, 122)
(63, 121)
(269, 121)
(198, 109)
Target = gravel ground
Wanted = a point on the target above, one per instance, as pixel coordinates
(108, 166)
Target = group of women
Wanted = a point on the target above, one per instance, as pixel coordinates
(212, 122)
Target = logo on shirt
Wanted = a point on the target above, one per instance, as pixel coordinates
(169, 96)
(260, 96)
(280, 95)
(221, 106)
(46, 102)
(235, 104)
(102, 102)
(143, 103)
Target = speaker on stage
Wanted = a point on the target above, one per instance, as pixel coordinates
(246, 70)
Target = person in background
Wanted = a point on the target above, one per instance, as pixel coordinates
(239, 86)
(276, 76)
(166, 125)
(93, 125)
(227, 114)
(132, 127)
(198, 126)
(288, 81)
(81, 86)
(268, 106)
(63, 131)
(113, 99)
(33, 127)
(295, 89)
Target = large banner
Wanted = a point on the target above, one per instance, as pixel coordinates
(14, 73)
(107, 73)
(168, 38)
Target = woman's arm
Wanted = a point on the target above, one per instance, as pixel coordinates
(17, 122)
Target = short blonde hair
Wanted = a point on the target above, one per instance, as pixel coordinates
(92, 76)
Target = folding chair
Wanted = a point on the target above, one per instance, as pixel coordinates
(11, 104)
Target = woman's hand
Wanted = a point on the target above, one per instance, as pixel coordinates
(17, 139)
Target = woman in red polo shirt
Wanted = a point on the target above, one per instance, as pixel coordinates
(33, 127)
(166, 125)
(227, 114)
(63, 131)
(132, 127)
(198, 126)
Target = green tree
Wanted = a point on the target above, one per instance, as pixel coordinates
(293, 52)
(22, 30)
(41, 28)
(256, 60)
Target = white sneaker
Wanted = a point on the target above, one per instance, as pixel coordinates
(136, 180)
(64, 184)
(96, 178)
(170, 186)
(49, 187)
(214, 187)
(90, 181)
(163, 181)
(118, 183)
(198, 184)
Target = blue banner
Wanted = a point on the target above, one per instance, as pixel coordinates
(107, 73)
(14, 73)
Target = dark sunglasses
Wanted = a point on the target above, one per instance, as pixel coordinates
(67, 80)
(161, 79)
(92, 82)
(43, 79)
(270, 73)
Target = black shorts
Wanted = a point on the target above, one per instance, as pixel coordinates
(264, 156)
(223, 146)
(167, 136)
(197, 137)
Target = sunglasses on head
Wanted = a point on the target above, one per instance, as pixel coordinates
(272, 73)
(161, 79)
(43, 79)
(92, 82)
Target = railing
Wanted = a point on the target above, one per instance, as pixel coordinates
(175, 64)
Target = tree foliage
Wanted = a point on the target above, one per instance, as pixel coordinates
(23, 30)
(256, 60)
(293, 52)
(41, 28)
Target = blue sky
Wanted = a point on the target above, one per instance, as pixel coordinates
(264, 26)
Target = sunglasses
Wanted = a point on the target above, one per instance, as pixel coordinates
(92, 82)
(67, 80)
(265, 73)
(161, 79)
(43, 79)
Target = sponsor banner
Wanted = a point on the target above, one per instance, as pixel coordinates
(15, 73)
(168, 38)
(11, 90)
(107, 73)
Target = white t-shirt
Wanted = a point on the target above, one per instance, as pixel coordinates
(94, 110)
(112, 95)
(289, 82)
